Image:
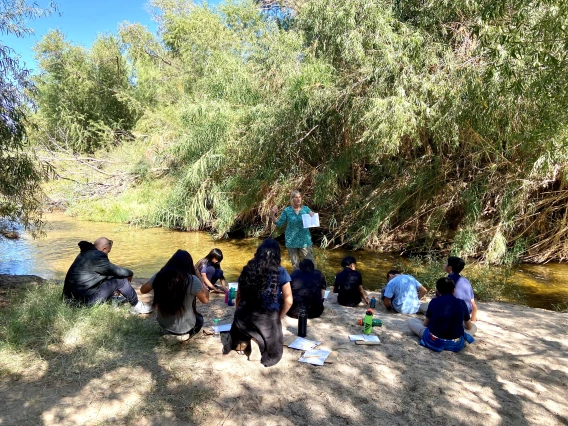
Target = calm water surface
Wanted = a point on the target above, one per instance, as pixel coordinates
(146, 250)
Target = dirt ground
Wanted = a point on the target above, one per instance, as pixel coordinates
(516, 373)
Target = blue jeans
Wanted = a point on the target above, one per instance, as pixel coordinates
(106, 289)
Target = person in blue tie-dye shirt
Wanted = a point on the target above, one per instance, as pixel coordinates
(402, 293)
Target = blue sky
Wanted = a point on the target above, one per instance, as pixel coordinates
(81, 21)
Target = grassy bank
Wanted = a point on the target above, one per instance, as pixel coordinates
(44, 340)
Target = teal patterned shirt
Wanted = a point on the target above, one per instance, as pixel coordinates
(296, 235)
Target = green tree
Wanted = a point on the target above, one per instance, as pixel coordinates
(20, 174)
(83, 95)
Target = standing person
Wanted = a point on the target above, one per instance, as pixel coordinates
(402, 293)
(176, 289)
(93, 279)
(446, 317)
(263, 298)
(209, 271)
(308, 288)
(298, 238)
(349, 284)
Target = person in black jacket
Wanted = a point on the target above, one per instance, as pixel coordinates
(92, 278)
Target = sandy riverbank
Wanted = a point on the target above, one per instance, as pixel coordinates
(516, 373)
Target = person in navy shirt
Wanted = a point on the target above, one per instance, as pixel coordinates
(463, 290)
(446, 318)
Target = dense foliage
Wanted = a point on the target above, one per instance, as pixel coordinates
(20, 174)
(414, 125)
(80, 93)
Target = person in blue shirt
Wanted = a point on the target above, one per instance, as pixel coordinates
(263, 299)
(446, 318)
(402, 293)
(298, 238)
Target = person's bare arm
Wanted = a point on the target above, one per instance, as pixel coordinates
(387, 302)
(272, 214)
(473, 310)
(206, 281)
(422, 292)
(363, 294)
(203, 296)
(287, 299)
(468, 325)
(146, 288)
(426, 322)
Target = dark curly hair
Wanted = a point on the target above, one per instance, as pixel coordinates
(171, 284)
(261, 272)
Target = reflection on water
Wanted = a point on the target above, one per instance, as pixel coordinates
(146, 250)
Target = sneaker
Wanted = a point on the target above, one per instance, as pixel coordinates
(172, 338)
(141, 308)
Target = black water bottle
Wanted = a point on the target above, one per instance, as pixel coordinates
(302, 323)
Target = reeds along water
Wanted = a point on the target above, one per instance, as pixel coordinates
(145, 251)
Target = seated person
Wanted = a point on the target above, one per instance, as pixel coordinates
(402, 293)
(349, 284)
(92, 278)
(176, 287)
(464, 290)
(263, 298)
(443, 327)
(209, 271)
(308, 288)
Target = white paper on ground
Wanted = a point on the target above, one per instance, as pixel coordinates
(233, 285)
(303, 344)
(311, 221)
(222, 328)
(365, 337)
(315, 357)
(326, 294)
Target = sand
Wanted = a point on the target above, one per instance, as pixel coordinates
(516, 373)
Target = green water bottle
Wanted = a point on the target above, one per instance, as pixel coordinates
(232, 294)
(368, 322)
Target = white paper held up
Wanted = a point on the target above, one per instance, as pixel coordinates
(311, 221)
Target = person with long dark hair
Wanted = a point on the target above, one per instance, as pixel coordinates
(308, 288)
(263, 298)
(209, 271)
(176, 288)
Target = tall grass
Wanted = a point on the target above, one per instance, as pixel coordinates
(490, 283)
(408, 126)
(40, 325)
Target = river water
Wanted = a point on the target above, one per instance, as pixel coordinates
(146, 250)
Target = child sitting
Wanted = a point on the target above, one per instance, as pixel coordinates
(443, 327)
